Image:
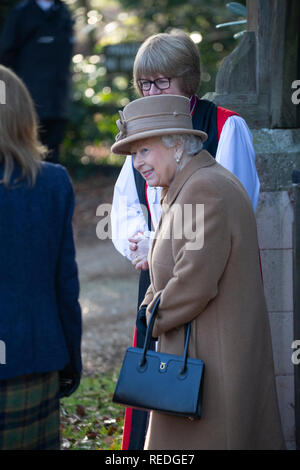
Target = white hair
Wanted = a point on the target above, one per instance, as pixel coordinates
(192, 144)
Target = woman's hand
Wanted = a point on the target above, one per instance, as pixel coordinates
(139, 245)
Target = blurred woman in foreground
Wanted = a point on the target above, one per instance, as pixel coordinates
(40, 321)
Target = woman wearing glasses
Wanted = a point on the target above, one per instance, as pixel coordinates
(170, 64)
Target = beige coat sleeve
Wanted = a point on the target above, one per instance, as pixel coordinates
(196, 273)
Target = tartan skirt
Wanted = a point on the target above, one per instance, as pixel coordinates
(29, 412)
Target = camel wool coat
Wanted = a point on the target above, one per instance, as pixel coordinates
(213, 280)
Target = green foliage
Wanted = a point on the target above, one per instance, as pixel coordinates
(98, 95)
(89, 419)
(94, 111)
(175, 13)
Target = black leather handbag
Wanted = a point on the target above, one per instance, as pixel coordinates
(152, 380)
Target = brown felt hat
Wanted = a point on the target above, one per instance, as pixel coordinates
(153, 116)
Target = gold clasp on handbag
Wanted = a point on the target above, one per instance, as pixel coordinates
(162, 365)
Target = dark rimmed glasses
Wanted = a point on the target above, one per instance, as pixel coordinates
(160, 83)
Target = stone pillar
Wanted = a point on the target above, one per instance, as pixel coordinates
(296, 285)
(277, 153)
(255, 80)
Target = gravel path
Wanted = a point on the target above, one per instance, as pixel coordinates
(108, 298)
(108, 282)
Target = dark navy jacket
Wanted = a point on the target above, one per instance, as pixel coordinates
(38, 45)
(40, 316)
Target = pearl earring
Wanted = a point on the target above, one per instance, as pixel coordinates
(177, 158)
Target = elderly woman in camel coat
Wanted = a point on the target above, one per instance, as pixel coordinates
(207, 271)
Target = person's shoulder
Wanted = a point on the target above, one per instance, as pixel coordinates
(54, 169)
(204, 106)
(235, 126)
(18, 10)
(210, 179)
(55, 174)
(62, 4)
(230, 116)
(21, 5)
(63, 8)
(54, 180)
(203, 178)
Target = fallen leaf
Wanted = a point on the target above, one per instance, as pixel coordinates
(91, 434)
(80, 410)
(111, 430)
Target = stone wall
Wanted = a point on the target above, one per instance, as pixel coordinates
(255, 80)
(277, 154)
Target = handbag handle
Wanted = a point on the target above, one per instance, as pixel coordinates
(149, 336)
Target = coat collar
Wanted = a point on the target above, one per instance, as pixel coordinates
(202, 160)
(168, 195)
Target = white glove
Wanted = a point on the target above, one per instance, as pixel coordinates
(139, 245)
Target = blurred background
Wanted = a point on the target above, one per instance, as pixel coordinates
(107, 36)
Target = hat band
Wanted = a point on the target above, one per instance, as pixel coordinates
(158, 122)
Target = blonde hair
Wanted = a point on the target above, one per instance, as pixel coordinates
(19, 142)
(171, 55)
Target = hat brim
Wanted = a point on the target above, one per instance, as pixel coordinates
(122, 147)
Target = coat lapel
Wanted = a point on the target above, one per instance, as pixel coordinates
(203, 159)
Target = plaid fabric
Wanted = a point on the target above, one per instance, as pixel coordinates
(29, 412)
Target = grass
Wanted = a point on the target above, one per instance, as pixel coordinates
(89, 418)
